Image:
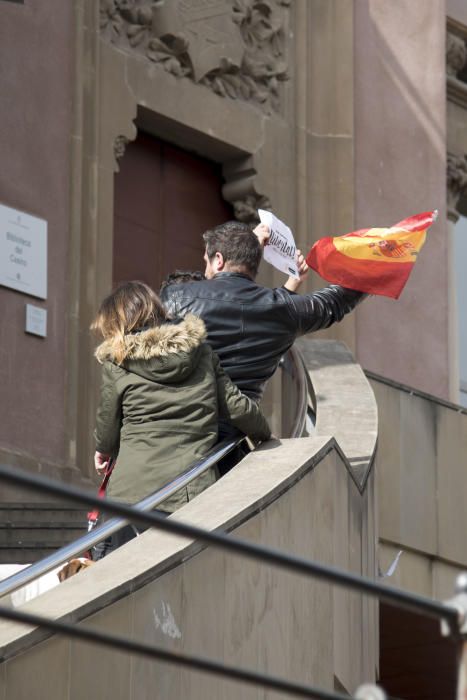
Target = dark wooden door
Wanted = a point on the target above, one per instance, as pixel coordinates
(416, 662)
(164, 199)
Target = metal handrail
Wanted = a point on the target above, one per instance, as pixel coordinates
(84, 543)
(300, 374)
(291, 562)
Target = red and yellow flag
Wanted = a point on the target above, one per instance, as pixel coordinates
(373, 260)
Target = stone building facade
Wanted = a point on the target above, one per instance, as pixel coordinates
(130, 126)
(333, 113)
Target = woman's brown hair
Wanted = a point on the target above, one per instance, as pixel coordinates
(130, 307)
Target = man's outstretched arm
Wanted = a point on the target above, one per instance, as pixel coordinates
(319, 309)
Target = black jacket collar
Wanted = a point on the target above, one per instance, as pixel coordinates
(233, 274)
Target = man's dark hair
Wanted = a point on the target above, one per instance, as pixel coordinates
(182, 276)
(238, 245)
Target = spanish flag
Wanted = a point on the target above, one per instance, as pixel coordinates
(373, 260)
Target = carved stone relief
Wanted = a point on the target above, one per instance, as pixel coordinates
(456, 54)
(120, 144)
(240, 189)
(235, 47)
(246, 209)
(456, 182)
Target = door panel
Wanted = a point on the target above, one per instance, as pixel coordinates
(416, 662)
(164, 199)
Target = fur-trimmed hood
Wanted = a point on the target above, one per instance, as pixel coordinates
(165, 353)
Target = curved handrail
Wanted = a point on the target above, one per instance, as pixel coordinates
(84, 543)
(293, 365)
(301, 378)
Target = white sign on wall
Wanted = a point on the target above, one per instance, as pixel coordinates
(23, 252)
(36, 320)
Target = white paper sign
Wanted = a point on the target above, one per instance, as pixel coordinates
(281, 250)
(23, 252)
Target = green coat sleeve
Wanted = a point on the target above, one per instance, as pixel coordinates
(241, 411)
(109, 413)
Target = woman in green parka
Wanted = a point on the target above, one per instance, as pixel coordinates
(163, 393)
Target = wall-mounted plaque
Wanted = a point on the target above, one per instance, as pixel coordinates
(23, 252)
(36, 320)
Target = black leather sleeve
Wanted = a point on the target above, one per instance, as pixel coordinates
(323, 308)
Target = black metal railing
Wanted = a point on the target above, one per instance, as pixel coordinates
(451, 614)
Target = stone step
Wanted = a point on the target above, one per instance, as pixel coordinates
(29, 532)
(25, 555)
(49, 535)
(44, 513)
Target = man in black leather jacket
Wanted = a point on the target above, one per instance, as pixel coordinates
(249, 326)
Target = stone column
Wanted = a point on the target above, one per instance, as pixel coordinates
(400, 153)
(456, 188)
(324, 130)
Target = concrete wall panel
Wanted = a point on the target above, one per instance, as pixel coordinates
(47, 674)
(108, 671)
(452, 484)
(420, 470)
